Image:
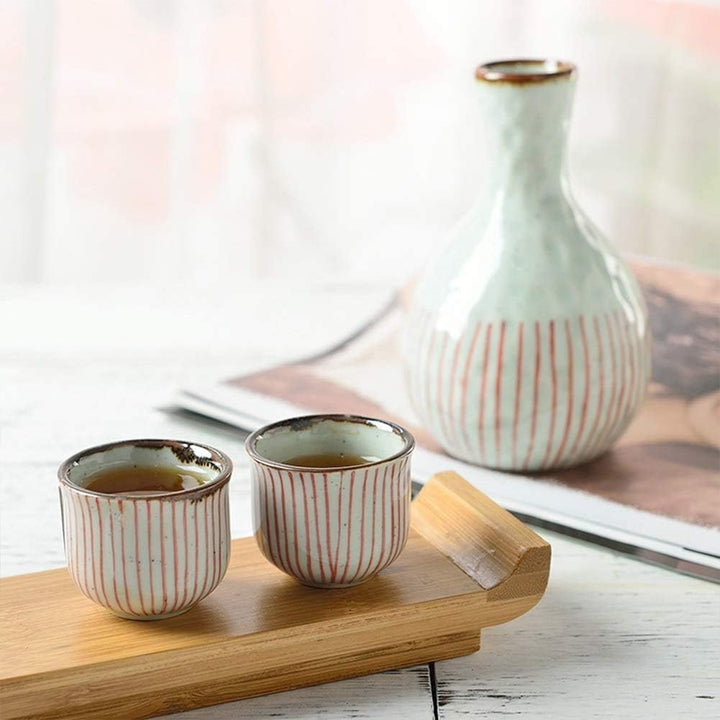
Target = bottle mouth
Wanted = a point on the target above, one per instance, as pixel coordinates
(524, 71)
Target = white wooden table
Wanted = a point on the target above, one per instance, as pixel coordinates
(612, 638)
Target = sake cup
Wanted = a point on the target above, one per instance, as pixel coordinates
(334, 526)
(153, 556)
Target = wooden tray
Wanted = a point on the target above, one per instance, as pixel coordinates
(468, 564)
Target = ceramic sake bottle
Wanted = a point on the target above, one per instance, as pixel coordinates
(527, 346)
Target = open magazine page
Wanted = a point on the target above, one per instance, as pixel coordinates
(658, 489)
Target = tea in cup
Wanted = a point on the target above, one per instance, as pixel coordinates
(331, 496)
(146, 524)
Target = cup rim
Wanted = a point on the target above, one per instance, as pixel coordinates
(304, 420)
(222, 460)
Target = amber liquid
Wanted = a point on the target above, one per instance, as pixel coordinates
(329, 460)
(143, 480)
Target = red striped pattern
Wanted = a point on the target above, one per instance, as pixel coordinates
(146, 558)
(529, 395)
(332, 529)
(535, 395)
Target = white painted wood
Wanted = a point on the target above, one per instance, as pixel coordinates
(393, 695)
(612, 639)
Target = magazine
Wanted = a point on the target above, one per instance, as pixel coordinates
(655, 495)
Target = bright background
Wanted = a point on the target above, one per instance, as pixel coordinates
(203, 142)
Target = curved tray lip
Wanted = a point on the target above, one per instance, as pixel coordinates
(504, 556)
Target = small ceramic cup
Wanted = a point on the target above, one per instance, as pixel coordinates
(331, 527)
(154, 556)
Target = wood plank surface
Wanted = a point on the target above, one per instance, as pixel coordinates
(282, 635)
(48, 626)
(393, 695)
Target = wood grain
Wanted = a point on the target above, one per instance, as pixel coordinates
(491, 547)
(261, 632)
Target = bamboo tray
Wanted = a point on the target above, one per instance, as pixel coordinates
(468, 564)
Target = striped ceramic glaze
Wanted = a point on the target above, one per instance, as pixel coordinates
(150, 557)
(527, 345)
(529, 395)
(331, 527)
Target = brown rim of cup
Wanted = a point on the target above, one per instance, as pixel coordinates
(180, 448)
(303, 421)
(547, 69)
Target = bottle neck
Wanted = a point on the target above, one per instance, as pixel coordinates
(526, 128)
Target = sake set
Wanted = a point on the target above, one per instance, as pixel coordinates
(344, 576)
